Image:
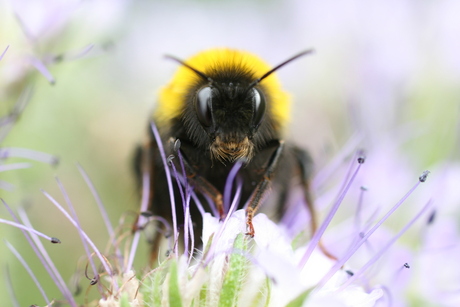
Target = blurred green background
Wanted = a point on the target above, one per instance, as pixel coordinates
(387, 71)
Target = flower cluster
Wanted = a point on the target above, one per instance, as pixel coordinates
(234, 270)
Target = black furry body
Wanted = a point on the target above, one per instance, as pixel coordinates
(226, 116)
(294, 163)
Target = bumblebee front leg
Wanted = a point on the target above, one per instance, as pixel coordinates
(143, 158)
(198, 182)
(262, 188)
(305, 163)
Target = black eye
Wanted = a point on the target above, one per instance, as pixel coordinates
(203, 106)
(258, 101)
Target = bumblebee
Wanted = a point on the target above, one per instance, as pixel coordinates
(225, 106)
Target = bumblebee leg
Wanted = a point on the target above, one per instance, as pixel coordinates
(144, 156)
(282, 201)
(262, 188)
(208, 189)
(155, 246)
(305, 163)
(305, 166)
(198, 182)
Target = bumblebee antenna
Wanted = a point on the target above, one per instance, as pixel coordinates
(199, 73)
(268, 73)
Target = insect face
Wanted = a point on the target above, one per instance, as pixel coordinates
(231, 114)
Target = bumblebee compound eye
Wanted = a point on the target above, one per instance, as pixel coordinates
(203, 106)
(258, 101)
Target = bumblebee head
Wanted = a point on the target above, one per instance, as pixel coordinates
(230, 109)
(227, 101)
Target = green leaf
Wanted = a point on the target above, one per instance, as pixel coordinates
(175, 299)
(235, 274)
(299, 300)
(157, 281)
(124, 300)
(203, 295)
(269, 291)
(151, 288)
(262, 297)
(300, 240)
(208, 246)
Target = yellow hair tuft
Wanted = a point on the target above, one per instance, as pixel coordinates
(172, 96)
